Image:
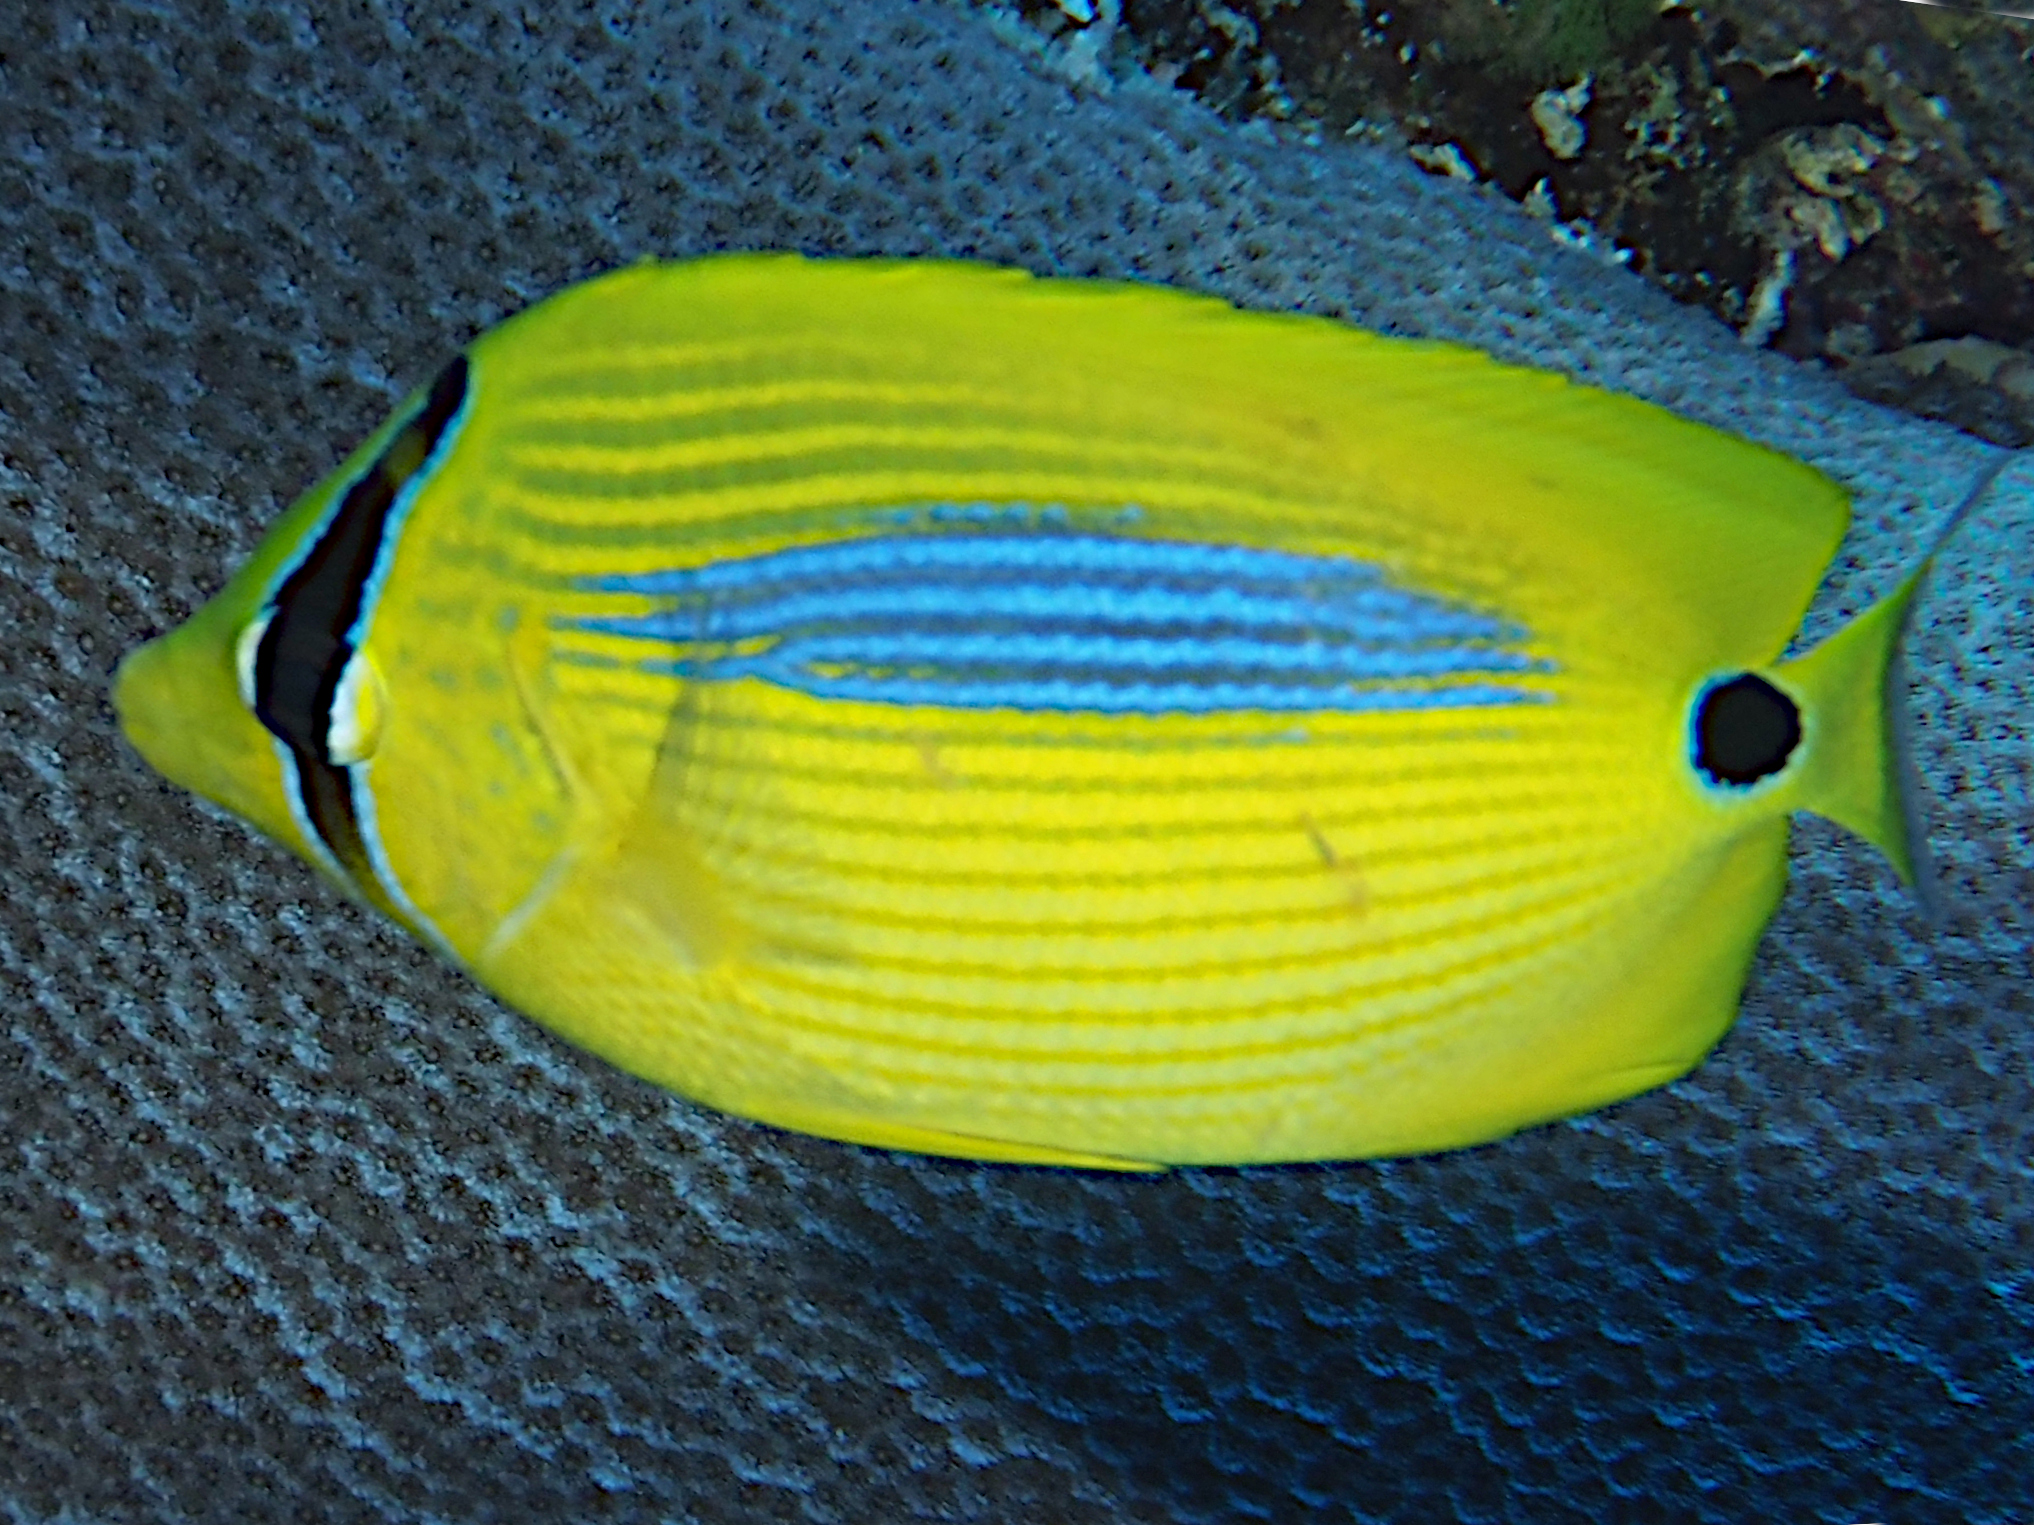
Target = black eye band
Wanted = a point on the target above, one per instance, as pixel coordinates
(1745, 730)
(316, 615)
(310, 636)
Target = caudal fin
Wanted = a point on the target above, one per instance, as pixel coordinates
(1851, 690)
(1859, 764)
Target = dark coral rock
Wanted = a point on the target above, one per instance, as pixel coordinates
(1835, 180)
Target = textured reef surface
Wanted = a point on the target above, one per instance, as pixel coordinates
(296, 1223)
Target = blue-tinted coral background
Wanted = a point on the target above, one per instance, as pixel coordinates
(294, 1223)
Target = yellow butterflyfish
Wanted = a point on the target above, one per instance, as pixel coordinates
(930, 706)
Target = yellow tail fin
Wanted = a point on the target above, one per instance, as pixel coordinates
(1853, 687)
(1852, 691)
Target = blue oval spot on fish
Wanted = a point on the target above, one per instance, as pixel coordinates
(1057, 721)
(1043, 621)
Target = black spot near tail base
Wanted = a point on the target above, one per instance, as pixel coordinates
(1745, 730)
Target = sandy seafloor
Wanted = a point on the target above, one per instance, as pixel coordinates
(296, 1224)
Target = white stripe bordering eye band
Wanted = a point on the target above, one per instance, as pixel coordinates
(366, 817)
(300, 813)
(246, 649)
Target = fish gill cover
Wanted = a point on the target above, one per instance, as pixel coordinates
(297, 1222)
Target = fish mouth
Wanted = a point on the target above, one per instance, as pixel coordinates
(142, 694)
(178, 704)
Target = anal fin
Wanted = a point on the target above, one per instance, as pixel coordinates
(883, 1133)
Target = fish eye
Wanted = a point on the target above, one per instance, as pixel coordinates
(1745, 730)
(246, 649)
(357, 707)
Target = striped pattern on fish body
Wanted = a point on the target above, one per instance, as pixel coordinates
(928, 706)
